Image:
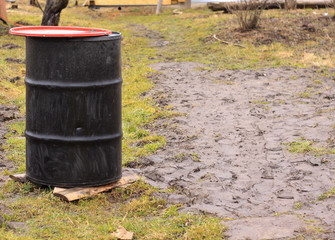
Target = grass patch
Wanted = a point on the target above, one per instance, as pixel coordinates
(135, 208)
(15, 147)
(329, 194)
(198, 44)
(305, 94)
(263, 102)
(307, 146)
(298, 205)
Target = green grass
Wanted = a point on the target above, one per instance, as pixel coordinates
(306, 146)
(190, 45)
(15, 147)
(329, 194)
(136, 208)
(305, 94)
(301, 146)
(263, 102)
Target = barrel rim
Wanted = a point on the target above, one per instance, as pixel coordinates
(74, 184)
(58, 31)
(111, 37)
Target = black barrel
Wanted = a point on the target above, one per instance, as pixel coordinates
(73, 105)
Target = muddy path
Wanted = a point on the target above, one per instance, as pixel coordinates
(227, 152)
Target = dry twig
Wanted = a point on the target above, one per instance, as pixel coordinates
(225, 42)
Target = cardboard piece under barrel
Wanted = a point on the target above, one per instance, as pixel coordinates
(71, 194)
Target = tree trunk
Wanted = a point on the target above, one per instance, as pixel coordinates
(3, 11)
(159, 7)
(187, 4)
(52, 12)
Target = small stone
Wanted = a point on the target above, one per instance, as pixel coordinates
(315, 161)
(178, 199)
(16, 225)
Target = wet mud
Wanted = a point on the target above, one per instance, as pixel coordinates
(227, 152)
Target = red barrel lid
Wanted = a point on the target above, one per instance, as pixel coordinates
(55, 31)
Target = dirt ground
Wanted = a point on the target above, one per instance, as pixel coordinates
(227, 153)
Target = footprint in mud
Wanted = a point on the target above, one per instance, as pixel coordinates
(244, 168)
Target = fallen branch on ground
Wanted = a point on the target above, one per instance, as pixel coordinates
(225, 42)
(176, 12)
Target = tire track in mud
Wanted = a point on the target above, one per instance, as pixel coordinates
(225, 153)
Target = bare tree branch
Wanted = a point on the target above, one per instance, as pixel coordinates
(39, 6)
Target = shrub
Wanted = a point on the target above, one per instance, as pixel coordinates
(290, 4)
(248, 13)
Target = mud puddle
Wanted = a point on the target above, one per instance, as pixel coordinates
(226, 154)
